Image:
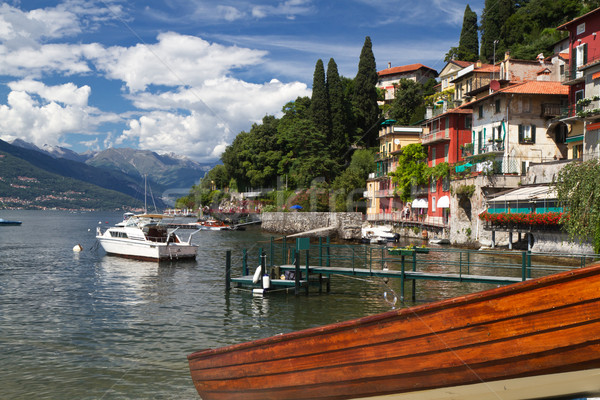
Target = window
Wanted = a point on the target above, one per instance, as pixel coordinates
(580, 59)
(433, 185)
(497, 106)
(468, 122)
(479, 141)
(446, 148)
(581, 28)
(578, 96)
(469, 85)
(562, 70)
(527, 134)
(433, 204)
(446, 184)
(480, 112)
(433, 157)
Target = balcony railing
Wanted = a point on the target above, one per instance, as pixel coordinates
(551, 110)
(435, 136)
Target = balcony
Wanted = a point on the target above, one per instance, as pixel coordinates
(493, 146)
(551, 110)
(384, 193)
(589, 108)
(441, 135)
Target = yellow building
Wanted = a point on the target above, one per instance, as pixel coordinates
(382, 204)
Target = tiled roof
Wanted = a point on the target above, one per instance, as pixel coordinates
(487, 68)
(538, 87)
(463, 64)
(564, 26)
(404, 69)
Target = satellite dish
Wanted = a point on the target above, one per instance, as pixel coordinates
(494, 85)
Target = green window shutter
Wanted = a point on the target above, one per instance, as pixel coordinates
(533, 133)
(520, 133)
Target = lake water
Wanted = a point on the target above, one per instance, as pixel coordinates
(90, 326)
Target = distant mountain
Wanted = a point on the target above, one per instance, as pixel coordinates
(23, 185)
(108, 179)
(169, 170)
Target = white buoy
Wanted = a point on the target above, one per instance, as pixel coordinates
(266, 282)
(256, 277)
(77, 248)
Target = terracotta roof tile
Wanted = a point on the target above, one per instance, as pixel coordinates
(404, 69)
(538, 87)
(463, 64)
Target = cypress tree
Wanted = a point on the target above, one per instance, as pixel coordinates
(319, 104)
(339, 130)
(495, 13)
(468, 46)
(365, 95)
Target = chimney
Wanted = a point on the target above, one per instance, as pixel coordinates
(389, 64)
(478, 64)
(507, 55)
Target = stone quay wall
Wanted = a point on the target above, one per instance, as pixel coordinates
(344, 225)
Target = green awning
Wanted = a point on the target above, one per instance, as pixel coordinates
(463, 168)
(577, 138)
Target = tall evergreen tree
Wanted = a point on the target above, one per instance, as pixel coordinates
(338, 139)
(495, 13)
(319, 103)
(365, 95)
(468, 46)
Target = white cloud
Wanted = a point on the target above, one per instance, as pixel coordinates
(202, 133)
(43, 114)
(176, 60)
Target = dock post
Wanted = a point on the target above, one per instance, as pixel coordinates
(307, 267)
(272, 252)
(297, 272)
(524, 265)
(244, 262)
(510, 240)
(320, 250)
(228, 270)
(414, 282)
(284, 259)
(402, 279)
(263, 268)
(328, 251)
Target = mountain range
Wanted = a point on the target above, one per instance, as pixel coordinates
(124, 170)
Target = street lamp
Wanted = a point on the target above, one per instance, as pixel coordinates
(494, 66)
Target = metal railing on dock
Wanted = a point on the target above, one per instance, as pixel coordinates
(323, 259)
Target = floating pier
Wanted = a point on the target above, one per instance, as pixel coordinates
(306, 265)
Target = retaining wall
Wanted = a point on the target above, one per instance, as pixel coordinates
(345, 225)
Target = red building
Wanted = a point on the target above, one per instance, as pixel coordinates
(443, 137)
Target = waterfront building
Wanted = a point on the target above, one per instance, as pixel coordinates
(473, 82)
(444, 137)
(583, 80)
(450, 72)
(382, 202)
(391, 76)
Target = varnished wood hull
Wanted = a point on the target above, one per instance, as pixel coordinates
(528, 334)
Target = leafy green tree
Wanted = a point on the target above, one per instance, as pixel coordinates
(366, 109)
(495, 13)
(578, 191)
(319, 102)
(411, 170)
(338, 141)
(468, 45)
(408, 97)
(348, 187)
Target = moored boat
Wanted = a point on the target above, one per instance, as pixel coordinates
(214, 225)
(144, 237)
(531, 340)
(7, 222)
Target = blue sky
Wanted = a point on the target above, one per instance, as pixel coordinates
(186, 76)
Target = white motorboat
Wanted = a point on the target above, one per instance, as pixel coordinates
(144, 237)
(378, 234)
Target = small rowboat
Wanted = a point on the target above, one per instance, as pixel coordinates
(530, 340)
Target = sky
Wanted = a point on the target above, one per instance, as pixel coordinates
(186, 76)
